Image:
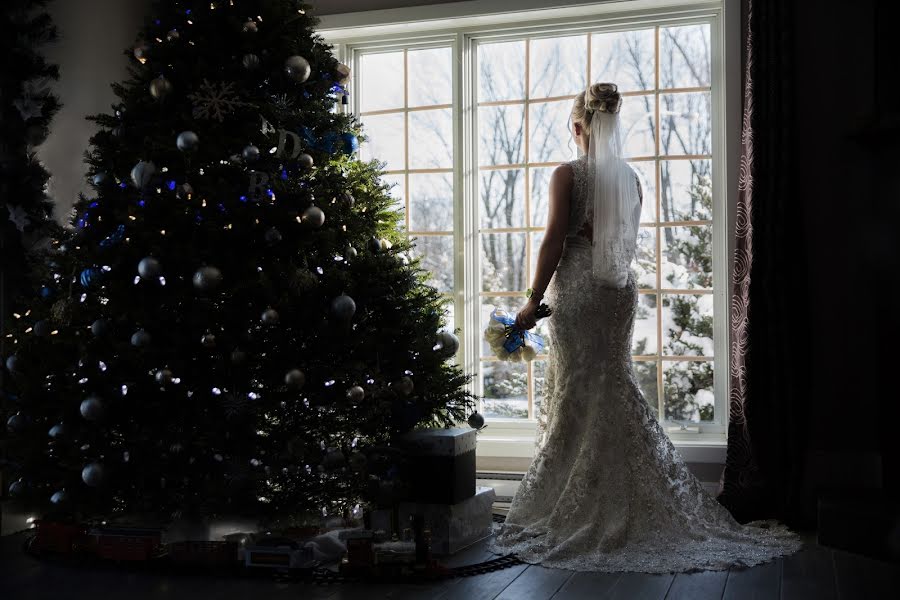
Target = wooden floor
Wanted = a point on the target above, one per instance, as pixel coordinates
(815, 573)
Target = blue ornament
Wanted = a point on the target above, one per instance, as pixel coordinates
(90, 276)
(351, 143)
(114, 238)
(46, 292)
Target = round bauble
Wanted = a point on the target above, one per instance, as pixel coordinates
(404, 386)
(58, 431)
(207, 279)
(149, 268)
(60, 497)
(348, 199)
(297, 68)
(17, 423)
(447, 344)
(305, 161)
(18, 488)
(343, 307)
(92, 408)
(93, 474)
(342, 74)
(184, 191)
(89, 277)
(142, 174)
(141, 52)
(164, 377)
(42, 328)
(270, 316)
(251, 62)
(349, 143)
(374, 245)
(356, 393)
(295, 378)
(140, 339)
(350, 252)
(250, 26)
(173, 35)
(100, 327)
(208, 340)
(187, 141)
(273, 236)
(250, 153)
(313, 217)
(475, 420)
(100, 179)
(12, 364)
(160, 88)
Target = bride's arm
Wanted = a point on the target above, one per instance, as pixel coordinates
(552, 244)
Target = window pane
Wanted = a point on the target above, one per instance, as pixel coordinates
(502, 262)
(501, 71)
(437, 257)
(684, 56)
(450, 315)
(540, 195)
(504, 389)
(502, 193)
(558, 66)
(381, 81)
(396, 190)
(431, 202)
(550, 136)
(430, 76)
(624, 58)
(686, 190)
(685, 124)
(687, 322)
(385, 136)
(687, 257)
(638, 125)
(431, 139)
(643, 341)
(500, 131)
(645, 258)
(646, 171)
(689, 391)
(645, 372)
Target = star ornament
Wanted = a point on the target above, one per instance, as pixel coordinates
(18, 216)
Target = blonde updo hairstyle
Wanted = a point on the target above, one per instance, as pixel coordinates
(598, 97)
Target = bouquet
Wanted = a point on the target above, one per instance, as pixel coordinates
(508, 342)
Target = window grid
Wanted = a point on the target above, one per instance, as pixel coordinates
(658, 224)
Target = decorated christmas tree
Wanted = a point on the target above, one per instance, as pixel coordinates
(236, 324)
(27, 107)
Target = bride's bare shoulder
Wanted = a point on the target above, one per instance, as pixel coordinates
(563, 175)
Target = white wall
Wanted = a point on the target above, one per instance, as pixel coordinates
(333, 7)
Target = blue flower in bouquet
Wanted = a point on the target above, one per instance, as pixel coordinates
(508, 342)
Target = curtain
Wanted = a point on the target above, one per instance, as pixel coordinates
(762, 477)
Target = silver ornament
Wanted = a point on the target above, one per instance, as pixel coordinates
(250, 62)
(100, 179)
(404, 385)
(348, 199)
(295, 378)
(350, 251)
(187, 141)
(375, 245)
(59, 497)
(447, 344)
(305, 161)
(273, 236)
(208, 341)
(18, 488)
(270, 316)
(173, 35)
(58, 431)
(297, 68)
(250, 153)
(250, 26)
(142, 174)
(140, 338)
(17, 423)
(141, 52)
(160, 88)
(342, 73)
(92, 408)
(343, 307)
(356, 393)
(93, 474)
(184, 191)
(313, 217)
(207, 279)
(164, 377)
(475, 420)
(149, 268)
(42, 328)
(100, 327)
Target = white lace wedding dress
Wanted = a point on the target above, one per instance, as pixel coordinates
(607, 490)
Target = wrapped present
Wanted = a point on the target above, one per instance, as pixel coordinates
(278, 553)
(127, 543)
(455, 526)
(205, 554)
(57, 537)
(441, 465)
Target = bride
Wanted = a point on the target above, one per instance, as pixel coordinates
(607, 490)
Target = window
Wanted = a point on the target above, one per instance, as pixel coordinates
(472, 123)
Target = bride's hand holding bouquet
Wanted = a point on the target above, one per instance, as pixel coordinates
(509, 337)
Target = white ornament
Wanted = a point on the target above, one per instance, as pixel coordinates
(142, 173)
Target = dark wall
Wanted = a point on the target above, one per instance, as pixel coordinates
(846, 174)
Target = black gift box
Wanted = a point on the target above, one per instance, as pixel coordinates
(441, 465)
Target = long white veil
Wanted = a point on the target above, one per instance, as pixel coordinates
(616, 202)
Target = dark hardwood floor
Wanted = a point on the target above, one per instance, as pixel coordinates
(815, 573)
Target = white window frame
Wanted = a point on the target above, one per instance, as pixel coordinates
(507, 444)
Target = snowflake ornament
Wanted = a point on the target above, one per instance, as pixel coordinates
(18, 216)
(215, 101)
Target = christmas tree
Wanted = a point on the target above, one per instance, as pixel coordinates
(26, 108)
(237, 326)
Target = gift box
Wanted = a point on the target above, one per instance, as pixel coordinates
(440, 465)
(454, 526)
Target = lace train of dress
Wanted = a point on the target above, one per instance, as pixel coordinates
(607, 490)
